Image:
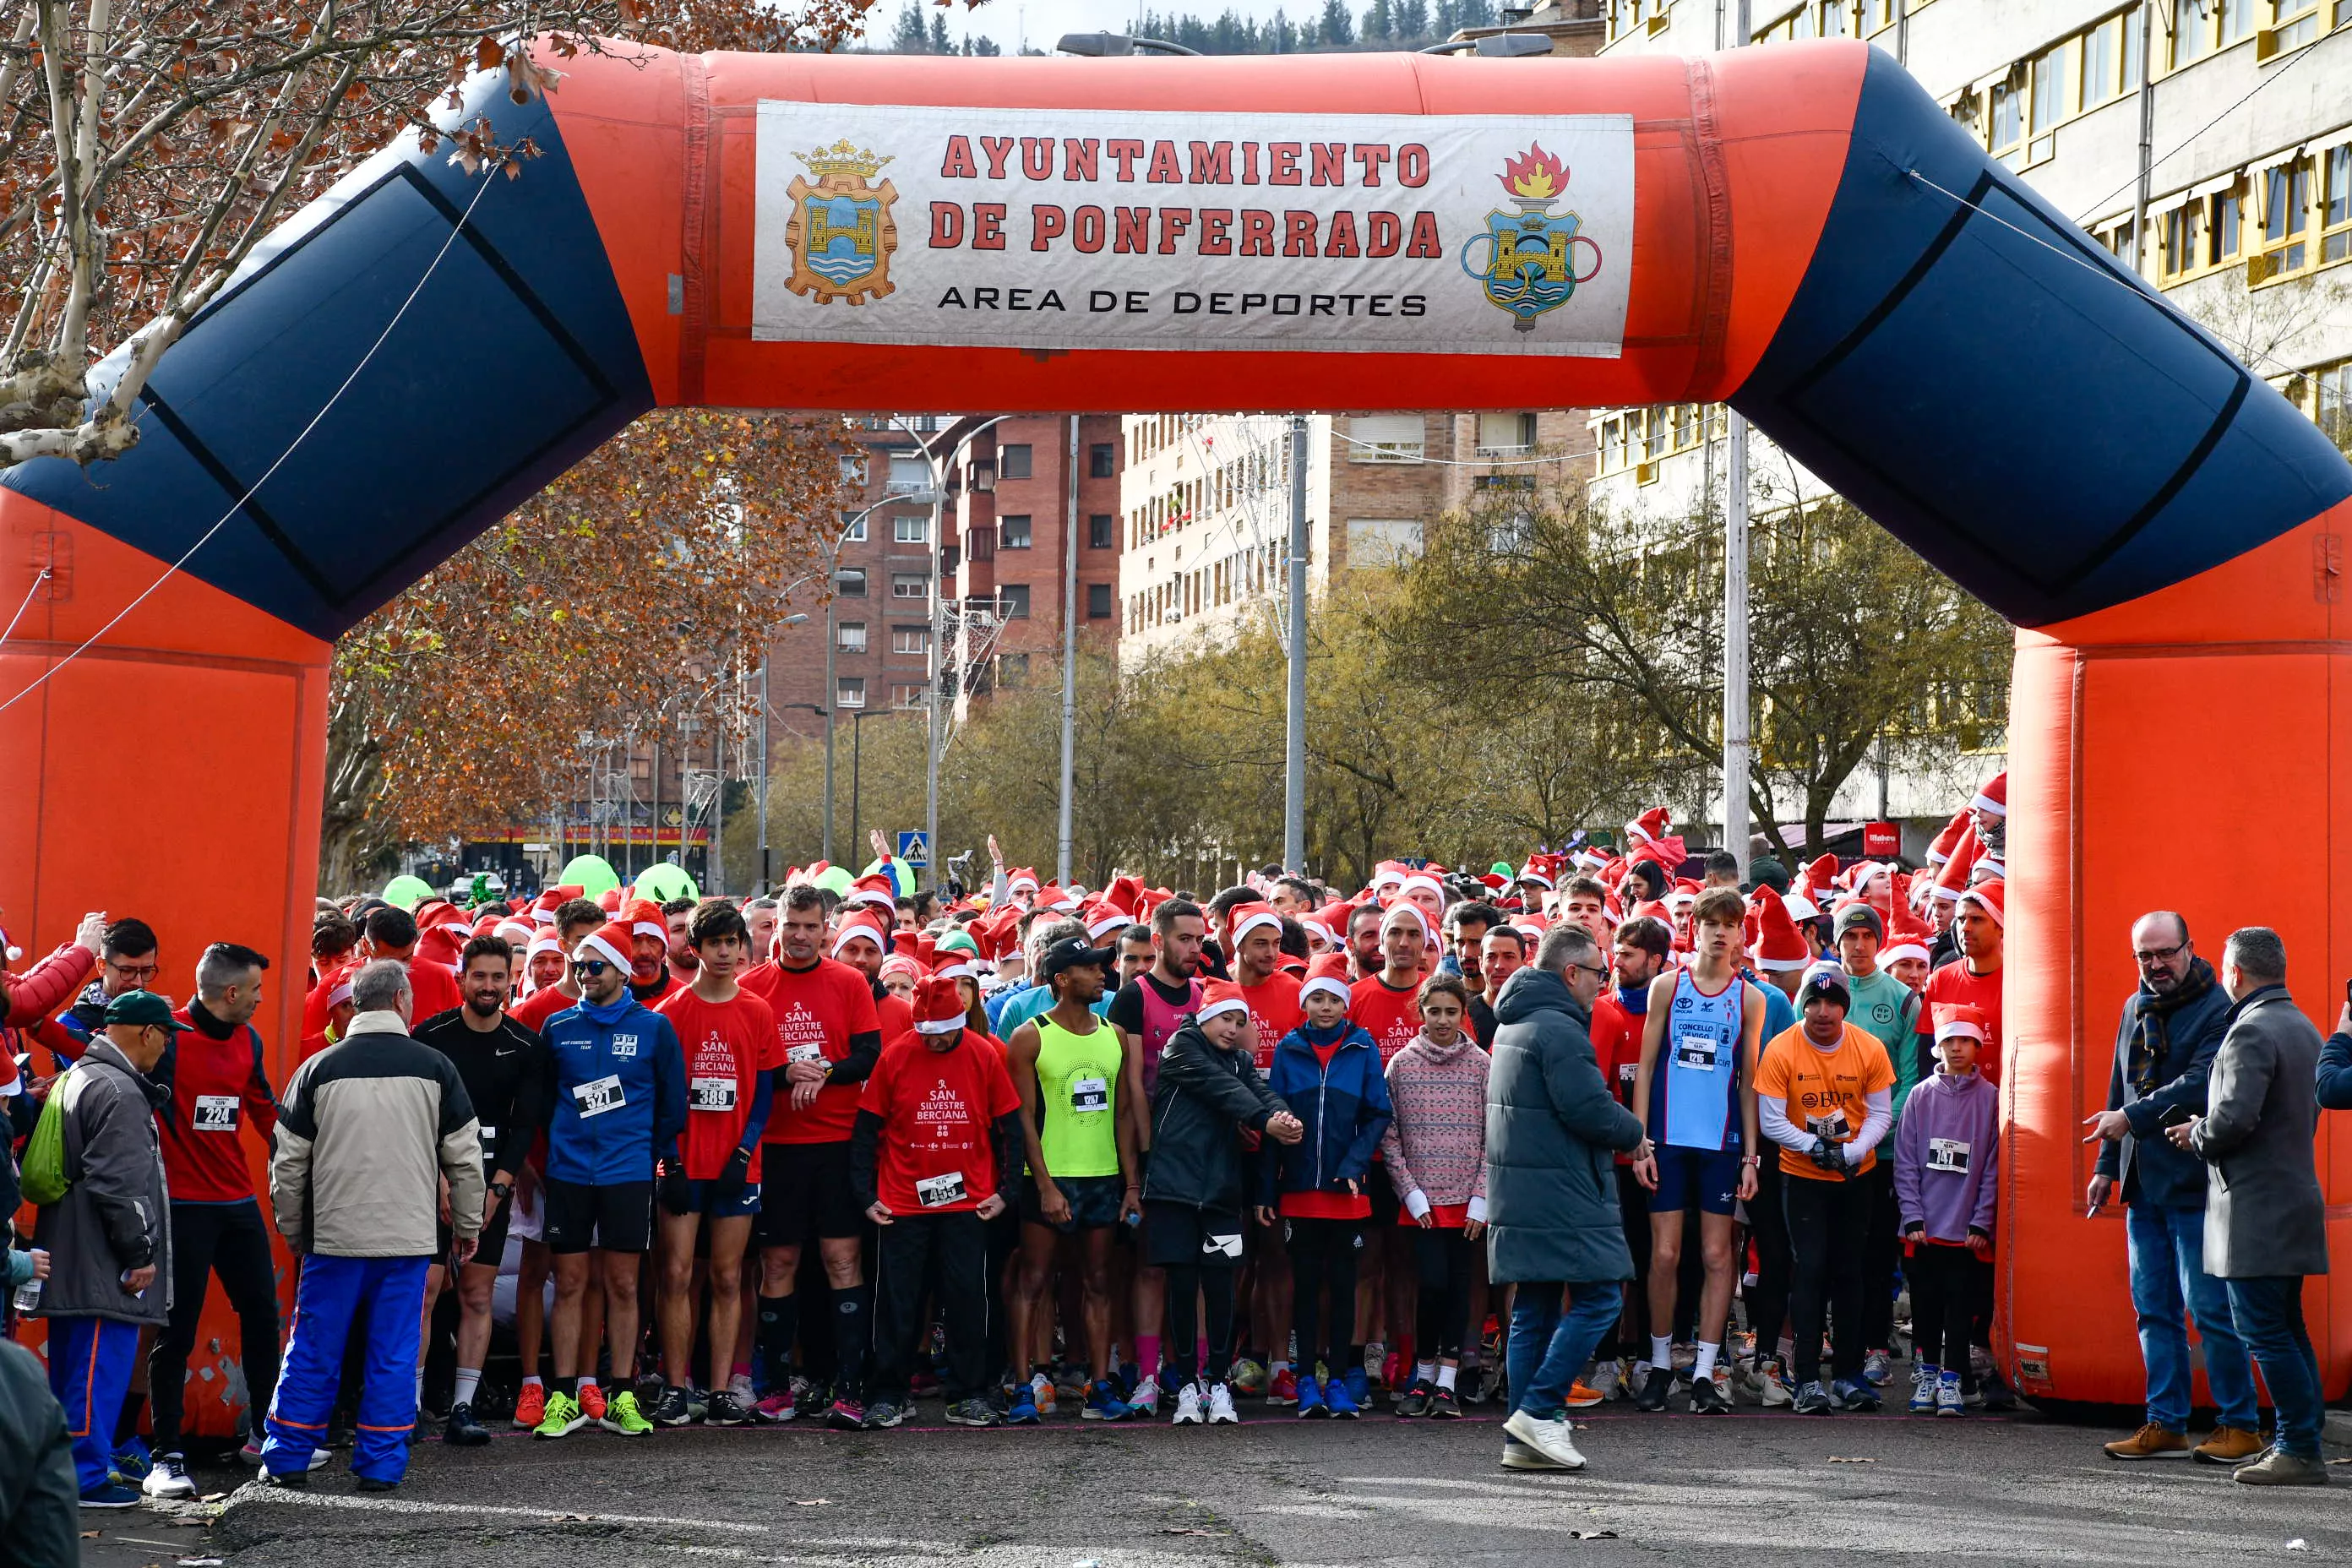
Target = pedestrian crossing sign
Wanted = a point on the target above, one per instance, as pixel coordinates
(914, 848)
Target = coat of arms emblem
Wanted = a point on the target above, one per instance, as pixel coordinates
(1529, 267)
(840, 234)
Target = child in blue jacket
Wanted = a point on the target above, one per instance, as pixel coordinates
(1329, 1072)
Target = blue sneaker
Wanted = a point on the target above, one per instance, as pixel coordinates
(131, 1461)
(1310, 1395)
(1340, 1400)
(1359, 1386)
(1855, 1394)
(1924, 1379)
(1103, 1402)
(1022, 1411)
(113, 1495)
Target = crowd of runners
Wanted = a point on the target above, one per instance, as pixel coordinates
(1130, 1155)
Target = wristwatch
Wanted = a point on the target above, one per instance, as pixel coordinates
(504, 1189)
(1752, 1160)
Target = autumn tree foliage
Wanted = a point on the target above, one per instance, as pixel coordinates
(629, 595)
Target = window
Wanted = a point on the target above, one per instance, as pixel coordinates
(910, 586)
(2223, 228)
(2286, 221)
(853, 528)
(849, 691)
(2335, 203)
(850, 637)
(1013, 462)
(903, 695)
(1013, 532)
(1506, 435)
(1102, 461)
(2236, 18)
(910, 640)
(982, 540)
(2192, 31)
(915, 530)
(1382, 542)
(2008, 118)
(1012, 668)
(1098, 604)
(2050, 102)
(2331, 400)
(850, 583)
(1385, 438)
(853, 468)
(2181, 235)
(1013, 602)
(2294, 23)
(1102, 531)
(910, 471)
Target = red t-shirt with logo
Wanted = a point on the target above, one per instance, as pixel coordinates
(728, 1045)
(534, 1010)
(1954, 984)
(934, 1155)
(817, 1010)
(1275, 1010)
(1390, 1017)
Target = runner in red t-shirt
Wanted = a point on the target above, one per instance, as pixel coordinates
(1973, 978)
(859, 945)
(732, 1052)
(1272, 995)
(832, 1037)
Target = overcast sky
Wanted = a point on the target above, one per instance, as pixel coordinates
(1043, 21)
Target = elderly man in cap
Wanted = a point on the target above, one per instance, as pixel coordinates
(108, 1237)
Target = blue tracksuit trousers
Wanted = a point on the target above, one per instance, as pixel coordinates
(390, 1293)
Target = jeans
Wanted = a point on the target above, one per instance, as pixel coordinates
(1548, 1347)
(331, 1296)
(2167, 1267)
(2269, 1314)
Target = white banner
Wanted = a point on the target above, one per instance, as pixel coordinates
(1054, 228)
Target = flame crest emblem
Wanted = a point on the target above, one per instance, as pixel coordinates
(1529, 264)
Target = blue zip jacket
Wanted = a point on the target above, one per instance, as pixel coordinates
(635, 1057)
(1345, 1107)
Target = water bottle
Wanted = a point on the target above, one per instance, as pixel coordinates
(28, 1296)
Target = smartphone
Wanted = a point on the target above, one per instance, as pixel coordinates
(2178, 1116)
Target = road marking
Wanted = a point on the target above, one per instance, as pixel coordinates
(554, 1514)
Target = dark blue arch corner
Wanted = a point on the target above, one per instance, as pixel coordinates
(516, 361)
(2018, 406)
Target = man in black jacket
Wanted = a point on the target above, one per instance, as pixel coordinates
(39, 1524)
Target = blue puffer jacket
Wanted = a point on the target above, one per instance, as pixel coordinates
(633, 1068)
(1345, 1108)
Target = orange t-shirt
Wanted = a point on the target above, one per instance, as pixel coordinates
(1827, 1092)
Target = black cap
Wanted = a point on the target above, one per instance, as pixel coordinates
(1827, 984)
(1075, 953)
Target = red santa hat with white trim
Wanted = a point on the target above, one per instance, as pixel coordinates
(1329, 974)
(1961, 1018)
(611, 941)
(1906, 936)
(1992, 898)
(877, 891)
(939, 1006)
(1405, 908)
(1993, 799)
(1102, 920)
(1247, 918)
(1779, 944)
(861, 925)
(1220, 997)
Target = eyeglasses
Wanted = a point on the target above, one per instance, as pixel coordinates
(134, 971)
(1599, 968)
(2160, 955)
(591, 967)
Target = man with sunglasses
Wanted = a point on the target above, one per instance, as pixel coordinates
(128, 960)
(2171, 1029)
(620, 1096)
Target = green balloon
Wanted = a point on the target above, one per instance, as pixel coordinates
(408, 891)
(837, 880)
(662, 882)
(592, 874)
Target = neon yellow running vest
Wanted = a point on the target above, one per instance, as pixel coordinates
(1077, 1086)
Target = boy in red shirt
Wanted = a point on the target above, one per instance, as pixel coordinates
(733, 1057)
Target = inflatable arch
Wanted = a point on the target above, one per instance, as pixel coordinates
(1799, 231)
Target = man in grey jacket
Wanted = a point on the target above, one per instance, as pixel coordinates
(1553, 1223)
(2264, 1217)
(369, 1129)
(109, 1237)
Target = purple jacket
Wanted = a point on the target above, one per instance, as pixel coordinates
(1947, 1154)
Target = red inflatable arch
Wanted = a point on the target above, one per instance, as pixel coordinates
(1797, 230)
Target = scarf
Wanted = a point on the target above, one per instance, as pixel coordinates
(605, 1014)
(2151, 1039)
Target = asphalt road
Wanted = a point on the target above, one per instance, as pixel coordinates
(1751, 1488)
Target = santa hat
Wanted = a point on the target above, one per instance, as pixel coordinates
(877, 890)
(1329, 973)
(1389, 874)
(1125, 894)
(1421, 882)
(338, 983)
(1589, 858)
(442, 945)
(611, 940)
(1905, 937)
(1940, 848)
(514, 933)
(939, 1006)
(542, 941)
(861, 926)
(645, 918)
(1989, 897)
(1220, 997)
(1959, 1018)
(1102, 920)
(609, 900)
(1778, 944)
(1021, 880)
(1057, 898)
(1993, 799)
(1247, 918)
(1650, 828)
(1405, 908)
(905, 963)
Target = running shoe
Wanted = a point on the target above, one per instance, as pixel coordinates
(1144, 1403)
(1283, 1389)
(1947, 1395)
(1655, 1388)
(1070, 1382)
(1877, 1370)
(167, 1480)
(623, 1417)
(739, 1386)
(1924, 1379)
(1339, 1397)
(1685, 1356)
(562, 1417)
(1127, 1376)
(845, 1414)
(1551, 1440)
(1414, 1401)
(1812, 1399)
(593, 1400)
(1187, 1407)
(1048, 1396)
(1221, 1407)
(1518, 1455)
(1494, 1381)
(1249, 1378)
(971, 1413)
(883, 1413)
(775, 1408)
(1583, 1396)
(1706, 1397)
(530, 1409)
(251, 1454)
(1310, 1397)
(1855, 1394)
(132, 1461)
(674, 1409)
(1443, 1405)
(1023, 1409)
(1608, 1379)
(1772, 1379)
(1103, 1402)
(375, 1484)
(298, 1479)
(923, 1382)
(461, 1430)
(113, 1494)
(1360, 1393)
(725, 1410)
(1377, 1358)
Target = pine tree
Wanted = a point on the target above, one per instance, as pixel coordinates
(1411, 21)
(940, 44)
(1379, 20)
(907, 32)
(1336, 27)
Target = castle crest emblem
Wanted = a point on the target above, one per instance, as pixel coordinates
(840, 233)
(1529, 267)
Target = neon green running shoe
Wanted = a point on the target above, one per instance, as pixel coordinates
(564, 1416)
(621, 1415)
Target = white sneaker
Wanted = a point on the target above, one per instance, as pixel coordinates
(1608, 1380)
(1221, 1407)
(1144, 1399)
(739, 1386)
(1548, 1438)
(1776, 1392)
(1188, 1406)
(167, 1480)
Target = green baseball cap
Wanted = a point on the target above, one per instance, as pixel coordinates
(142, 1007)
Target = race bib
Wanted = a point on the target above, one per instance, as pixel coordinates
(490, 1134)
(1090, 1094)
(805, 1054)
(937, 1191)
(1221, 1246)
(711, 1094)
(1832, 1126)
(216, 1113)
(601, 1096)
(1628, 1071)
(1947, 1154)
(1696, 1051)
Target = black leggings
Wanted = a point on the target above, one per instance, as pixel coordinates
(1448, 1262)
(1943, 1308)
(1189, 1285)
(232, 1241)
(1828, 1230)
(1881, 1256)
(1323, 1254)
(1767, 1221)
